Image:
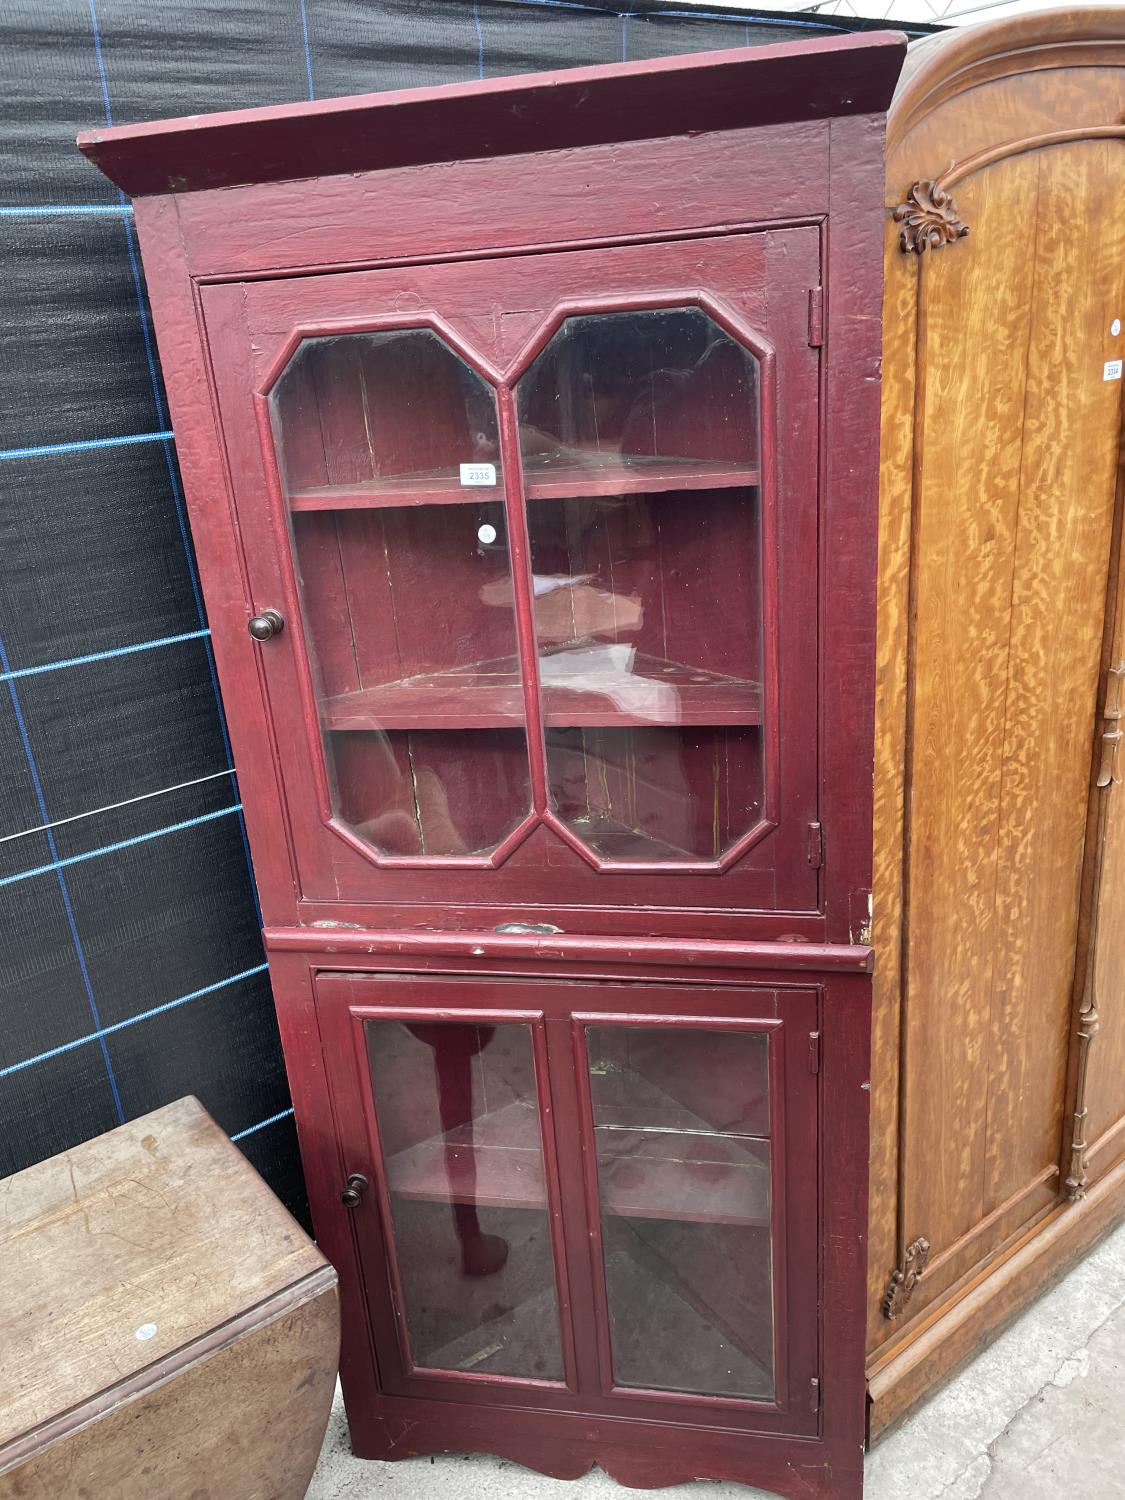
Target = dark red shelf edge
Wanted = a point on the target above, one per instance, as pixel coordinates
(590, 720)
(730, 703)
(571, 485)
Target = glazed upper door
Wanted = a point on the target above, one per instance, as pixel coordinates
(542, 532)
(601, 1197)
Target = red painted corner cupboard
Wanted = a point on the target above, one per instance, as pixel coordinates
(529, 430)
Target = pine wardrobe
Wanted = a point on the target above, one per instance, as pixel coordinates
(998, 1125)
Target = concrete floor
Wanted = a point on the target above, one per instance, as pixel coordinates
(1040, 1415)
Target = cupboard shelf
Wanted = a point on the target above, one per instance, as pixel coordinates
(613, 839)
(394, 492)
(690, 1177)
(572, 475)
(568, 475)
(687, 1176)
(489, 695)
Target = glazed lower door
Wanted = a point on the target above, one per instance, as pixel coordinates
(584, 1196)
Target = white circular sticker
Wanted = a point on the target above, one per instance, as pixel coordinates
(486, 533)
(145, 1332)
(1115, 327)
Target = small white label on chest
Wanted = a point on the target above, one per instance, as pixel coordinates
(1111, 371)
(483, 474)
(145, 1332)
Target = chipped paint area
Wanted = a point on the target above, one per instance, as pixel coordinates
(862, 934)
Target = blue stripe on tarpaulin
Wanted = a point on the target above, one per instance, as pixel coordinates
(169, 461)
(43, 450)
(308, 49)
(100, 60)
(72, 925)
(107, 655)
(119, 844)
(730, 17)
(197, 595)
(144, 1015)
(65, 210)
(480, 39)
(282, 1114)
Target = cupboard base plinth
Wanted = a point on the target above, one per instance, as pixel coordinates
(564, 1445)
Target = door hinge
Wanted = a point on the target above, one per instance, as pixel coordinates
(816, 317)
(815, 850)
(814, 1394)
(906, 1277)
(814, 1051)
(1112, 714)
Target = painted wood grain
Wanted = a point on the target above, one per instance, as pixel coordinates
(578, 107)
(468, 209)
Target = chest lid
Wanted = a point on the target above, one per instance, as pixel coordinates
(123, 1255)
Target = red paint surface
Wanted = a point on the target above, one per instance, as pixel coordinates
(776, 159)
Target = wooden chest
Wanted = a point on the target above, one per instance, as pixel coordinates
(166, 1328)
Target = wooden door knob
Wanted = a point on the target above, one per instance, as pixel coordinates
(357, 1186)
(265, 626)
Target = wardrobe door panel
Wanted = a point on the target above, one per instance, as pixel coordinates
(1012, 529)
(967, 508)
(1067, 468)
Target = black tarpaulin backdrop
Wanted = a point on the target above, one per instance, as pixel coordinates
(131, 969)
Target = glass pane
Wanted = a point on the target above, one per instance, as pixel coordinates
(395, 412)
(639, 436)
(458, 1116)
(631, 395)
(681, 1126)
(389, 451)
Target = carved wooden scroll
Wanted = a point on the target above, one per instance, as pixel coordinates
(928, 218)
